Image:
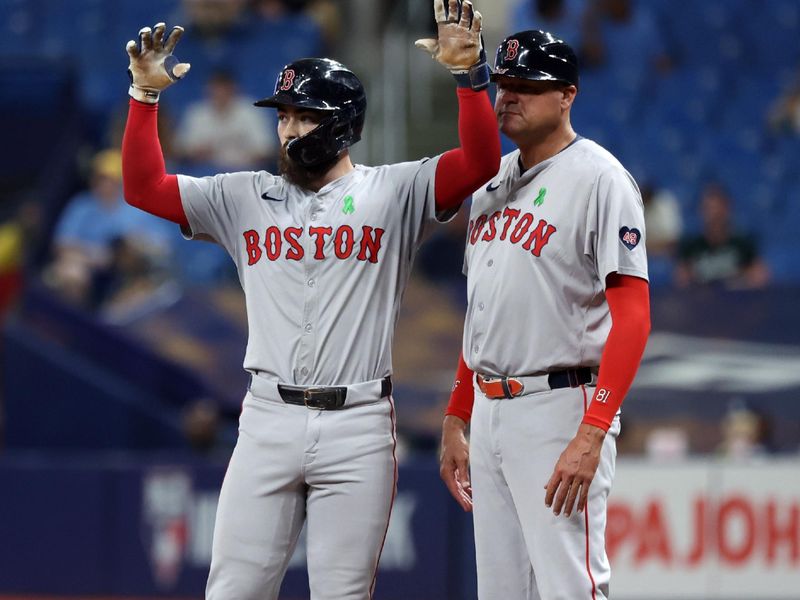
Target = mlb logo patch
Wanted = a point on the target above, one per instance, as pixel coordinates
(630, 237)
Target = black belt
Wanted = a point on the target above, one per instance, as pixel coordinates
(323, 398)
(569, 378)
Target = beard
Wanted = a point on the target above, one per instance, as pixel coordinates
(299, 175)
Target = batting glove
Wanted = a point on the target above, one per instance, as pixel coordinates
(459, 46)
(153, 67)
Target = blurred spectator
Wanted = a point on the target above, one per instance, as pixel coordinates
(719, 254)
(324, 12)
(201, 423)
(667, 443)
(215, 32)
(270, 10)
(100, 241)
(562, 18)
(17, 236)
(745, 433)
(663, 220)
(280, 32)
(784, 116)
(625, 36)
(327, 16)
(663, 227)
(213, 19)
(224, 131)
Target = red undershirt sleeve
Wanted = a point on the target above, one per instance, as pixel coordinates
(463, 170)
(463, 396)
(145, 181)
(629, 302)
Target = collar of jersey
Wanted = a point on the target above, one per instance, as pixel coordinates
(357, 174)
(524, 177)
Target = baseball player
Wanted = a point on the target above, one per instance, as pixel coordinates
(323, 251)
(557, 322)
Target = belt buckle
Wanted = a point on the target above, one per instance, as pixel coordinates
(308, 395)
(510, 386)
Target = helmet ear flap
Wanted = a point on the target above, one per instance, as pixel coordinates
(340, 129)
(321, 144)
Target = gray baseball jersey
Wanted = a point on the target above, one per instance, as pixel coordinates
(539, 248)
(323, 273)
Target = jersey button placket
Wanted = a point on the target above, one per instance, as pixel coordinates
(305, 357)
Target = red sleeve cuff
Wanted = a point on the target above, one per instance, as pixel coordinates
(601, 422)
(464, 415)
(463, 395)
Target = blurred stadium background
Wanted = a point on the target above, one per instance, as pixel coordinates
(121, 350)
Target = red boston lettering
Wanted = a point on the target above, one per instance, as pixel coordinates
(476, 231)
(272, 242)
(521, 228)
(539, 237)
(492, 231)
(370, 244)
(510, 214)
(343, 242)
(251, 246)
(319, 233)
(292, 237)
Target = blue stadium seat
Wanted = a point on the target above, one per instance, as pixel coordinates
(705, 33)
(17, 20)
(773, 28)
(783, 261)
(269, 46)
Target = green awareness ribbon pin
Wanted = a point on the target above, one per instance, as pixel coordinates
(540, 198)
(348, 208)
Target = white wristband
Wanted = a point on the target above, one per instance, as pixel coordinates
(143, 95)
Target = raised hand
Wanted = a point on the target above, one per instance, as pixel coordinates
(152, 66)
(458, 46)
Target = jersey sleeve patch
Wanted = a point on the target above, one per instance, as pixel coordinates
(630, 237)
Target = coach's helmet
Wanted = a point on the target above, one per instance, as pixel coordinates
(326, 85)
(536, 55)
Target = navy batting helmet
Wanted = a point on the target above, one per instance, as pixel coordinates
(326, 85)
(536, 55)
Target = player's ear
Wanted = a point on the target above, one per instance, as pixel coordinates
(568, 94)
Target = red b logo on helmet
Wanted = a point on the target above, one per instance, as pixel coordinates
(512, 48)
(288, 80)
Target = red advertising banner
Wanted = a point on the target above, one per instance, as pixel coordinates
(705, 530)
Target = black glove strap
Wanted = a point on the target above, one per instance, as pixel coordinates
(477, 77)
